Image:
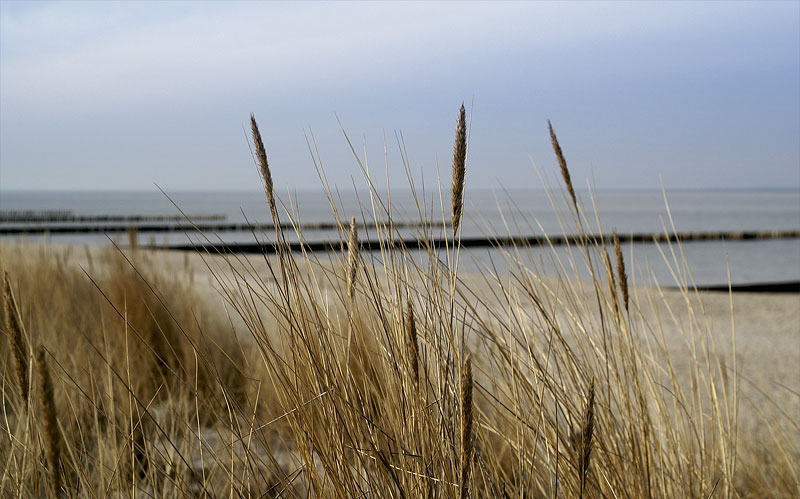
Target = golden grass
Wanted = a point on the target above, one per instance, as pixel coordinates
(298, 376)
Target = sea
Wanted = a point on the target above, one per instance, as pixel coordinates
(487, 213)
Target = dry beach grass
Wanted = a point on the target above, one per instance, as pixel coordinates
(129, 372)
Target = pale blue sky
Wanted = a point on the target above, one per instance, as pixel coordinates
(101, 95)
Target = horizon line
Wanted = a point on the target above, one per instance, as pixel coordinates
(781, 188)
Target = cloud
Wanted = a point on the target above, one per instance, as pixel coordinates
(112, 54)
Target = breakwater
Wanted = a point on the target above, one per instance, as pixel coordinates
(66, 216)
(477, 242)
(182, 225)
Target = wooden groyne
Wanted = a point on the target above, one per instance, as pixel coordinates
(64, 216)
(182, 225)
(103, 224)
(34, 216)
(758, 287)
(485, 242)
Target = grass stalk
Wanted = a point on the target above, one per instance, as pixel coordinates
(352, 261)
(466, 427)
(587, 441)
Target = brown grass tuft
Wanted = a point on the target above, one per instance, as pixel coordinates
(16, 336)
(459, 168)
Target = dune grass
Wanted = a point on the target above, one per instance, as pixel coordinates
(379, 374)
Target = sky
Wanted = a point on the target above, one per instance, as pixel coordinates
(125, 95)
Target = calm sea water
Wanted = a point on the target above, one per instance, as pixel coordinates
(520, 212)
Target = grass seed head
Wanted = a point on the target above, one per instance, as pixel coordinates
(621, 274)
(562, 163)
(261, 155)
(459, 168)
(16, 337)
(49, 422)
